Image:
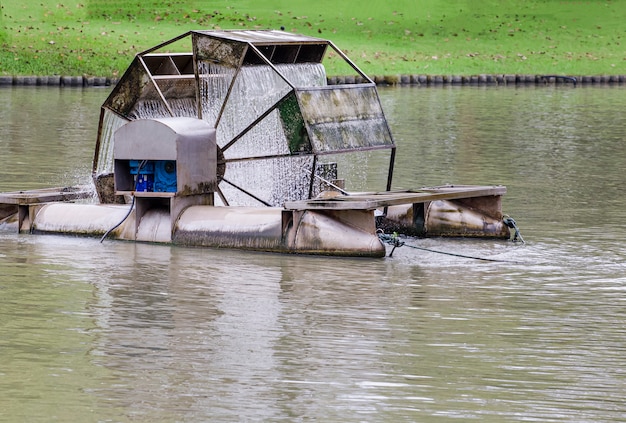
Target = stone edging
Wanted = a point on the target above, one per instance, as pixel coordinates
(434, 80)
(57, 81)
(423, 80)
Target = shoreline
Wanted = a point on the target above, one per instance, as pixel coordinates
(380, 80)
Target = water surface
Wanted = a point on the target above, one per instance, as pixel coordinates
(134, 332)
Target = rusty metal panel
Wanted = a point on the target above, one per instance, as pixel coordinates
(137, 96)
(263, 37)
(45, 195)
(219, 51)
(344, 118)
(129, 90)
(374, 200)
(453, 218)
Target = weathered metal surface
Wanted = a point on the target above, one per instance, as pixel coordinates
(344, 119)
(350, 233)
(130, 89)
(105, 187)
(6, 211)
(335, 232)
(263, 37)
(46, 195)
(230, 227)
(452, 219)
(221, 51)
(17, 203)
(371, 201)
(155, 226)
(84, 220)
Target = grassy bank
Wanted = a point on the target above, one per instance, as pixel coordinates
(461, 37)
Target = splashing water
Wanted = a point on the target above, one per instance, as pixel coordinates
(232, 101)
(256, 90)
(111, 122)
(214, 83)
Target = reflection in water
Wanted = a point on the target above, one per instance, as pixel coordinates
(47, 134)
(244, 330)
(136, 332)
(202, 323)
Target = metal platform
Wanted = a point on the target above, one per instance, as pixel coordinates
(376, 200)
(46, 195)
(18, 202)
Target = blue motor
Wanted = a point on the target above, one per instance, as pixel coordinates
(144, 183)
(144, 171)
(164, 176)
(141, 167)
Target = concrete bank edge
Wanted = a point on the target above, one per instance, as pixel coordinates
(417, 79)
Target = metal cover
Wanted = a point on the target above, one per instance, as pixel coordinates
(345, 118)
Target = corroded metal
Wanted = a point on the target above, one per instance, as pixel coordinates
(46, 195)
(450, 210)
(221, 51)
(373, 200)
(447, 218)
(344, 119)
(129, 90)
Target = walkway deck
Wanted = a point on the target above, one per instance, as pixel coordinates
(45, 195)
(375, 200)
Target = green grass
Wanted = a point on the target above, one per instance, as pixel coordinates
(462, 37)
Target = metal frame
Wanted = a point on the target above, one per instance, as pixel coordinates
(254, 42)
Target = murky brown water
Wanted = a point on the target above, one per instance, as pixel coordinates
(133, 332)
